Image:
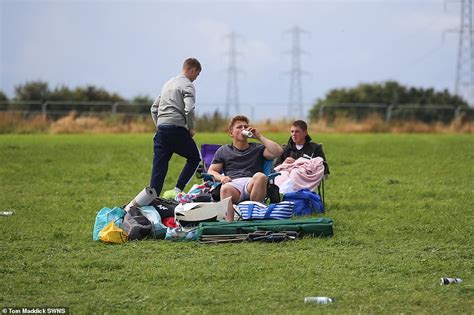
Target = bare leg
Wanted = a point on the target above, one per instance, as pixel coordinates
(257, 187)
(227, 190)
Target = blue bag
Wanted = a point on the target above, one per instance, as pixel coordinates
(306, 202)
(253, 210)
(104, 217)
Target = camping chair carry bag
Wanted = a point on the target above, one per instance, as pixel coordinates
(311, 226)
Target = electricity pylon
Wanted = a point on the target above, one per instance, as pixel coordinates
(232, 95)
(295, 103)
(464, 83)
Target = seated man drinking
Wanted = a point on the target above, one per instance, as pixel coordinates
(239, 166)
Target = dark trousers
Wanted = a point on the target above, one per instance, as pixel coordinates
(171, 139)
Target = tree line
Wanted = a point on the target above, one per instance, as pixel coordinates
(385, 93)
(408, 102)
(39, 91)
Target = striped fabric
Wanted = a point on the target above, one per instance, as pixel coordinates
(252, 210)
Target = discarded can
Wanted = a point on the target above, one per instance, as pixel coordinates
(450, 280)
(247, 133)
(7, 213)
(318, 299)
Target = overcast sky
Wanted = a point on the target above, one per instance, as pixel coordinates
(134, 47)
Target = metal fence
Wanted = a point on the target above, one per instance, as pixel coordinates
(400, 112)
(256, 111)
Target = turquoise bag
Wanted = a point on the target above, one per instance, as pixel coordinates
(104, 217)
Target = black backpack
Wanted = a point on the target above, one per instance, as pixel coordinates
(136, 225)
(165, 207)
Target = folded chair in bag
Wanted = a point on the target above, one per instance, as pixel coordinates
(310, 226)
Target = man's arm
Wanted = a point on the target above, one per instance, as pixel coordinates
(272, 149)
(216, 171)
(189, 100)
(282, 157)
(154, 109)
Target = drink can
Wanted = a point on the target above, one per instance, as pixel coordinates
(450, 280)
(247, 133)
(318, 299)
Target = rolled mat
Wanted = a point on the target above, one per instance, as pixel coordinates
(144, 198)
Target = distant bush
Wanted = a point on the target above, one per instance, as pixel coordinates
(421, 101)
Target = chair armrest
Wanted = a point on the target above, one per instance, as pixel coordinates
(273, 175)
(207, 176)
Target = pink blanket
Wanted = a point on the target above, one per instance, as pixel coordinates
(303, 173)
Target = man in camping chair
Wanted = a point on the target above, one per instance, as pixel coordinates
(239, 166)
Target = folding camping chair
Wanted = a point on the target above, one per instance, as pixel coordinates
(320, 187)
(209, 150)
(321, 184)
(207, 154)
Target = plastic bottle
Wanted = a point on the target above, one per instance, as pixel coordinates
(7, 213)
(318, 299)
(450, 280)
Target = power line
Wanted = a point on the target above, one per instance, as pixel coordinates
(295, 99)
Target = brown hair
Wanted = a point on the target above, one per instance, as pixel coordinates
(301, 124)
(192, 63)
(237, 118)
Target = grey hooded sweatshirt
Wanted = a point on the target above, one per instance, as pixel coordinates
(175, 104)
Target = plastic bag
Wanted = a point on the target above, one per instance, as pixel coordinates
(306, 202)
(158, 228)
(104, 217)
(111, 233)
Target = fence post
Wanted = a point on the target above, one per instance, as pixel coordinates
(457, 112)
(388, 114)
(114, 108)
(43, 109)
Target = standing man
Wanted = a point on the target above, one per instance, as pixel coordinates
(173, 115)
(300, 145)
(239, 166)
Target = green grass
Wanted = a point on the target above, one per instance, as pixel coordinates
(402, 205)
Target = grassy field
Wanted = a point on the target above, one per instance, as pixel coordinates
(402, 205)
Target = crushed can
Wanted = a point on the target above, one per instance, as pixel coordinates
(318, 299)
(445, 281)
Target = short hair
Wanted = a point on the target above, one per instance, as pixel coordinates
(192, 63)
(301, 124)
(237, 118)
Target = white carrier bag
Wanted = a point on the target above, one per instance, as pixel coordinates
(195, 212)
